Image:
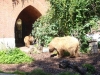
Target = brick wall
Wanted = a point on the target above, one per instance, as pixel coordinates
(9, 13)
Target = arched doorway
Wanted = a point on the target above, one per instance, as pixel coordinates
(27, 17)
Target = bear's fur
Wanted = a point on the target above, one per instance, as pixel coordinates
(28, 40)
(68, 43)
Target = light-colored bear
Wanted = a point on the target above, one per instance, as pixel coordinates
(67, 43)
(28, 40)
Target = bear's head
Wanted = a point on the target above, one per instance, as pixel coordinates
(51, 48)
(31, 39)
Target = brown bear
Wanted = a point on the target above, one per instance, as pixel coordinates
(28, 40)
(68, 43)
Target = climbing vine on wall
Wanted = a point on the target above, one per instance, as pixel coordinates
(16, 2)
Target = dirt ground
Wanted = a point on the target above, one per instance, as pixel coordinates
(51, 64)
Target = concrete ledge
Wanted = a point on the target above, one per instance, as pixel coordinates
(7, 43)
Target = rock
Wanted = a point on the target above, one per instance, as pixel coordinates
(45, 49)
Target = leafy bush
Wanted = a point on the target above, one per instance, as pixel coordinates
(68, 17)
(18, 73)
(14, 55)
(90, 68)
(68, 73)
(38, 72)
(34, 72)
(41, 72)
(43, 32)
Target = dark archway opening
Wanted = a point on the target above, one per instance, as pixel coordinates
(28, 16)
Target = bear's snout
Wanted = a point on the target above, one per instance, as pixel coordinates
(50, 50)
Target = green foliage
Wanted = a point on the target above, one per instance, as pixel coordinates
(18, 72)
(99, 44)
(14, 55)
(44, 32)
(90, 68)
(34, 72)
(41, 72)
(68, 73)
(68, 17)
(38, 72)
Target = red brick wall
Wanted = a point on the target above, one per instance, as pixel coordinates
(9, 14)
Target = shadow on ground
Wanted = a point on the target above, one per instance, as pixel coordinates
(51, 64)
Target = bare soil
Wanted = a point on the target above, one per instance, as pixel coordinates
(51, 64)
